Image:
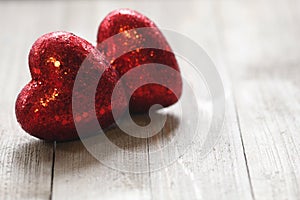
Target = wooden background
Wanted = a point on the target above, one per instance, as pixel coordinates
(256, 46)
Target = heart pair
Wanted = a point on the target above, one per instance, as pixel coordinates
(44, 106)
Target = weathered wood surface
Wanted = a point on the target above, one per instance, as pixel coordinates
(25, 162)
(255, 45)
(262, 49)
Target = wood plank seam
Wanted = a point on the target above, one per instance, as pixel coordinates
(220, 32)
(149, 170)
(52, 170)
(244, 152)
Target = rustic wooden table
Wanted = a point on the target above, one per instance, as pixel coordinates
(255, 45)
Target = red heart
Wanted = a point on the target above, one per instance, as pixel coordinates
(44, 106)
(121, 21)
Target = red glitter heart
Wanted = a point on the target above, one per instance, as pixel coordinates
(121, 21)
(44, 106)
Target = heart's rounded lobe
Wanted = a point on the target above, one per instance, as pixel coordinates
(136, 48)
(44, 106)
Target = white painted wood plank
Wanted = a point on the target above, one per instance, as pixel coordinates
(25, 166)
(78, 175)
(260, 46)
(261, 42)
(222, 174)
(25, 162)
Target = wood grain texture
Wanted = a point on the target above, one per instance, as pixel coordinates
(220, 175)
(262, 48)
(254, 44)
(25, 162)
